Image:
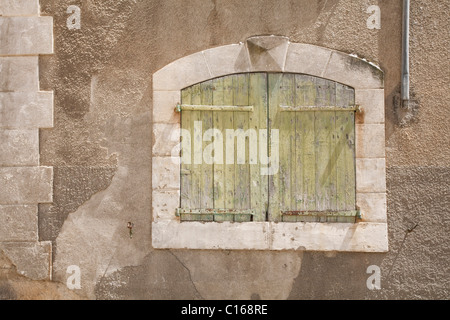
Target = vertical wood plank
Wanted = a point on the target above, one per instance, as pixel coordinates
(228, 123)
(274, 81)
(258, 121)
(186, 168)
(218, 168)
(197, 149)
(287, 150)
(325, 166)
(242, 182)
(222, 95)
(345, 160)
(306, 90)
(325, 92)
(206, 182)
(305, 145)
(345, 149)
(345, 96)
(325, 127)
(274, 123)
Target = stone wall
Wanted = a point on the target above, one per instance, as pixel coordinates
(100, 145)
(24, 109)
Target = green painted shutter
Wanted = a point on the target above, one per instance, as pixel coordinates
(316, 176)
(316, 180)
(230, 190)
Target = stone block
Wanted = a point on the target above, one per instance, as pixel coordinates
(373, 206)
(18, 223)
(370, 175)
(166, 139)
(19, 74)
(227, 60)
(166, 173)
(197, 235)
(19, 148)
(307, 59)
(344, 237)
(26, 110)
(182, 73)
(26, 35)
(165, 204)
(164, 103)
(22, 110)
(267, 53)
(354, 72)
(32, 259)
(370, 141)
(19, 8)
(26, 185)
(347, 237)
(372, 103)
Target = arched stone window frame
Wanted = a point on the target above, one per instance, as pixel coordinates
(271, 54)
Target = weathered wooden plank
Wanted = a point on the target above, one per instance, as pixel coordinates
(325, 126)
(206, 182)
(215, 108)
(282, 92)
(274, 201)
(196, 217)
(341, 213)
(306, 90)
(186, 163)
(219, 168)
(345, 150)
(287, 143)
(241, 121)
(345, 161)
(264, 131)
(229, 173)
(305, 145)
(325, 92)
(215, 211)
(345, 96)
(321, 216)
(325, 165)
(307, 172)
(197, 149)
(284, 108)
(257, 122)
(222, 96)
(230, 161)
(274, 82)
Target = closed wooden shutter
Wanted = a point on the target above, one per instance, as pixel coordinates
(316, 180)
(314, 119)
(232, 189)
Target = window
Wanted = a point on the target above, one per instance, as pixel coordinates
(290, 202)
(268, 147)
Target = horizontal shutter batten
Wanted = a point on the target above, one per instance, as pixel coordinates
(186, 107)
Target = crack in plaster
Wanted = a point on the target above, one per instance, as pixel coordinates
(189, 272)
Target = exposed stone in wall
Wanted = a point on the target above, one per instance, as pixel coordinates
(72, 186)
(23, 111)
(103, 100)
(14, 286)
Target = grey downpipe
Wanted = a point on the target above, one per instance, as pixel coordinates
(405, 55)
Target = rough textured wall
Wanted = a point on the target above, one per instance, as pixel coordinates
(101, 144)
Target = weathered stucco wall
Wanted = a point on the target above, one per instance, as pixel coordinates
(100, 149)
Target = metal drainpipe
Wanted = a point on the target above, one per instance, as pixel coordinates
(405, 55)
